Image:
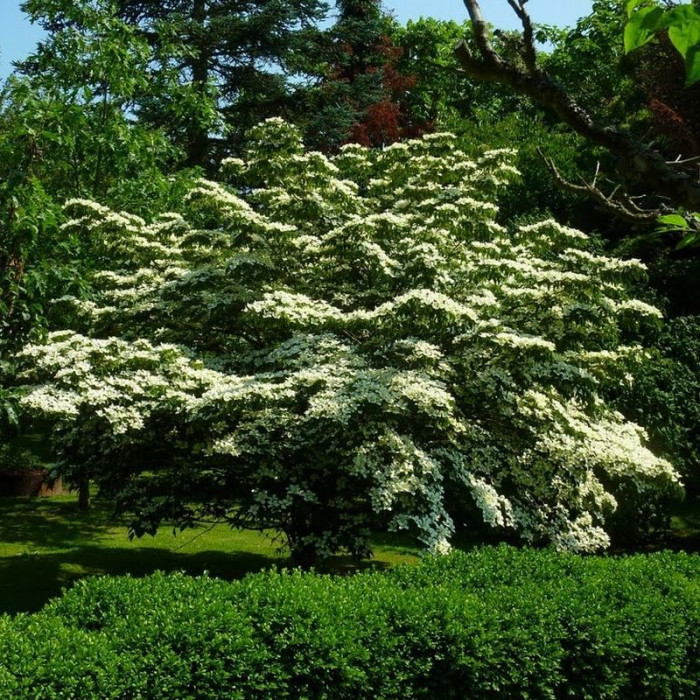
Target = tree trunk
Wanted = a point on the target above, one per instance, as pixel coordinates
(198, 136)
(304, 556)
(84, 495)
(300, 526)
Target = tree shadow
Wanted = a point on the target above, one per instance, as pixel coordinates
(344, 565)
(29, 581)
(58, 545)
(683, 535)
(50, 523)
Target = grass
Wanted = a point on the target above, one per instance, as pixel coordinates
(47, 544)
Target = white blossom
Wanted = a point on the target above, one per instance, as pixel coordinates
(358, 330)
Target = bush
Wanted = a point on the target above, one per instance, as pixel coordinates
(494, 623)
(18, 459)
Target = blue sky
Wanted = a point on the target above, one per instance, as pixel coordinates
(18, 37)
(498, 12)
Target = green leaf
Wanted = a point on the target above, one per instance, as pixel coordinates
(688, 240)
(684, 34)
(642, 26)
(692, 66)
(632, 5)
(673, 221)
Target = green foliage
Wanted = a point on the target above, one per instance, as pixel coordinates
(687, 226)
(66, 131)
(442, 94)
(590, 61)
(18, 459)
(490, 624)
(76, 91)
(666, 397)
(646, 19)
(332, 346)
(212, 68)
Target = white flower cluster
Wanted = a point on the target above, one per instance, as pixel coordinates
(344, 339)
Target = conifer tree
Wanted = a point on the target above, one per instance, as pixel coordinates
(365, 96)
(216, 66)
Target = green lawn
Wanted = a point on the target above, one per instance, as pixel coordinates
(45, 544)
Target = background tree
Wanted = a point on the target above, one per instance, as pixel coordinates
(215, 67)
(251, 58)
(680, 23)
(446, 96)
(365, 97)
(67, 132)
(637, 163)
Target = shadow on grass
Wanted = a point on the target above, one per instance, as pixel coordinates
(29, 581)
(52, 545)
(685, 527)
(50, 522)
(49, 544)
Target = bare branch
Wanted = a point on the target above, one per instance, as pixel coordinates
(529, 52)
(678, 160)
(636, 162)
(481, 32)
(632, 206)
(622, 207)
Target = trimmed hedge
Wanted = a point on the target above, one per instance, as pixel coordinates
(494, 623)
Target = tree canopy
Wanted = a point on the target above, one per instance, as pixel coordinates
(327, 346)
(212, 69)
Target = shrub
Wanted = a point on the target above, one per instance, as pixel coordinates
(665, 397)
(494, 623)
(18, 459)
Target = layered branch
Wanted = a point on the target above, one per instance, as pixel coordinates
(637, 163)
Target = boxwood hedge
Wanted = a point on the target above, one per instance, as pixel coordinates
(493, 623)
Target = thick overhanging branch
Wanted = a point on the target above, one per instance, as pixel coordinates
(637, 163)
(481, 33)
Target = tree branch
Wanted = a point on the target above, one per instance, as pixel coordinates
(529, 52)
(481, 32)
(623, 208)
(636, 162)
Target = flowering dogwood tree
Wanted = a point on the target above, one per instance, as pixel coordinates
(330, 346)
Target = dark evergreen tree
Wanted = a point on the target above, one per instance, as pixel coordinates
(216, 67)
(365, 97)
